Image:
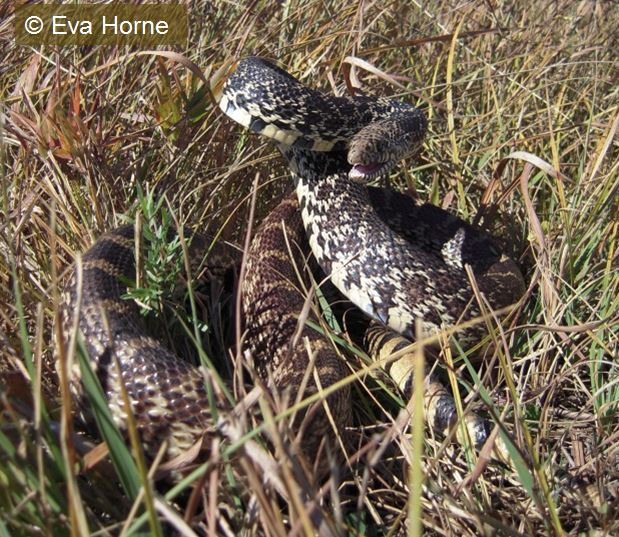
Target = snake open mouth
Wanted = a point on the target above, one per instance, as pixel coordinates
(367, 171)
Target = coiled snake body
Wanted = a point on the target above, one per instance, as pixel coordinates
(395, 260)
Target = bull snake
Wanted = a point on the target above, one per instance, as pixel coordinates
(397, 261)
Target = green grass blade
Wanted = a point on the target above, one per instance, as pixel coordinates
(119, 452)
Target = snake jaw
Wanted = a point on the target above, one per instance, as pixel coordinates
(370, 170)
(367, 172)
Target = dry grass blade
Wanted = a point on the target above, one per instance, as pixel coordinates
(352, 82)
(523, 134)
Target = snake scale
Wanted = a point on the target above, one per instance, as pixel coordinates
(395, 260)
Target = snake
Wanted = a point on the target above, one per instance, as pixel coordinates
(407, 267)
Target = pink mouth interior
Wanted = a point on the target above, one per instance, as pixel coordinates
(364, 170)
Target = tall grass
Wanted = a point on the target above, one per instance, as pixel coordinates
(522, 101)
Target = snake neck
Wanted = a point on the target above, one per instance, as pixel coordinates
(268, 100)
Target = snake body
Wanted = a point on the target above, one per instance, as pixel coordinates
(396, 266)
(395, 260)
(167, 394)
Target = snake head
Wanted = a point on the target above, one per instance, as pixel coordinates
(378, 147)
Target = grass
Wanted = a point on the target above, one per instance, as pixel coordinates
(522, 102)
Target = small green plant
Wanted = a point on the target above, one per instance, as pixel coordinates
(159, 254)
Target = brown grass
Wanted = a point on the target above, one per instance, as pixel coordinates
(522, 101)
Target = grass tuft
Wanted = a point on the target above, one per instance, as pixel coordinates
(522, 102)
